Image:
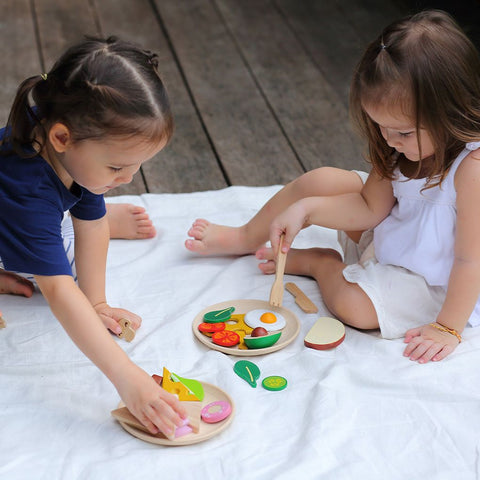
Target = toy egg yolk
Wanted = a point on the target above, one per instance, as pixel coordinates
(268, 317)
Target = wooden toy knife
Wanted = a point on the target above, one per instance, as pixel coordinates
(301, 299)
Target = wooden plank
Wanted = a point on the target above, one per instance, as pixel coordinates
(336, 32)
(18, 51)
(60, 25)
(247, 137)
(188, 163)
(327, 37)
(311, 113)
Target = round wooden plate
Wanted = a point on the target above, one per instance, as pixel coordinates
(206, 431)
(289, 333)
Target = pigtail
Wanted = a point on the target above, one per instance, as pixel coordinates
(23, 120)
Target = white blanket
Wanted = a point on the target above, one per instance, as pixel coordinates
(360, 411)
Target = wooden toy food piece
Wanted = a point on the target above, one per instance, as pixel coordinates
(259, 332)
(2, 323)
(186, 389)
(210, 328)
(326, 333)
(262, 341)
(274, 383)
(218, 315)
(128, 333)
(301, 299)
(216, 411)
(248, 371)
(237, 324)
(226, 338)
(193, 413)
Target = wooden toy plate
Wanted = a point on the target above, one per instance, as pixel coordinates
(206, 431)
(289, 333)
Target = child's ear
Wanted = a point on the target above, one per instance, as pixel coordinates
(59, 137)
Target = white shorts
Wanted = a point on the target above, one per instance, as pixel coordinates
(401, 298)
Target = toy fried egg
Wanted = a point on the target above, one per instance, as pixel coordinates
(270, 321)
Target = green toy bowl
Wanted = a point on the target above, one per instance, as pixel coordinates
(262, 342)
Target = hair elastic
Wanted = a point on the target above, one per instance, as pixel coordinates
(383, 46)
(44, 76)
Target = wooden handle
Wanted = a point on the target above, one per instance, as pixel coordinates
(301, 299)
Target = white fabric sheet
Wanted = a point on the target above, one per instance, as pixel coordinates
(360, 411)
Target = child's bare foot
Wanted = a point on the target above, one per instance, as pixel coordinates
(129, 222)
(212, 239)
(15, 284)
(299, 261)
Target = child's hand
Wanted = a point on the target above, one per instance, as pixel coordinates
(111, 316)
(157, 409)
(290, 222)
(426, 343)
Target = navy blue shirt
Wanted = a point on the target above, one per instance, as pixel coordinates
(32, 204)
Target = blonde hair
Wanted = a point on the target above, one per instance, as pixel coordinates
(427, 66)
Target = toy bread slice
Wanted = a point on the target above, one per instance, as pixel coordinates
(326, 333)
(193, 409)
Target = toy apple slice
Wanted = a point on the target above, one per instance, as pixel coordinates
(326, 333)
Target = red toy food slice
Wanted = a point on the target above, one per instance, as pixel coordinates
(326, 333)
(226, 338)
(211, 327)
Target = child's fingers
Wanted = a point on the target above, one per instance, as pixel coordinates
(174, 403)
(412, 333)
(429, 353)
(110, 323)
(417, 349)
(446, 350)
(119, 313)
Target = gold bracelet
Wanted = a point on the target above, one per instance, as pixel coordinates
(451, 331)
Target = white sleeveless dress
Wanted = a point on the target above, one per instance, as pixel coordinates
(407, 276)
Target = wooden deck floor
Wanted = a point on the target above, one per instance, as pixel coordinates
(259, 87)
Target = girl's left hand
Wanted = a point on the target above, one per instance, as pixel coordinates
(111, 316)
(427, 343)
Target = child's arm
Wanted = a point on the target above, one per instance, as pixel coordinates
(153, 406)
(91, 244)
(427, 342)
(349, 212)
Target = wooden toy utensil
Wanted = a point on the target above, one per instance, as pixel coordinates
(276, 293)
(301, 299)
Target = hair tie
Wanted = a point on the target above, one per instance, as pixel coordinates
(383, 46)
(44, 76)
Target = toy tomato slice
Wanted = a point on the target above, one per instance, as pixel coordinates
(211, 327)
(226, 338)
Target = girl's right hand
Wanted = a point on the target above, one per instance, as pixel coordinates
(289, 222)
(157, 409)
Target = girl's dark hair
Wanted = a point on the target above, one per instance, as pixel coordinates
(98, 88)
(425, 65)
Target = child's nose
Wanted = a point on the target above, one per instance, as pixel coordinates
(392, 139)
(125, 178)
